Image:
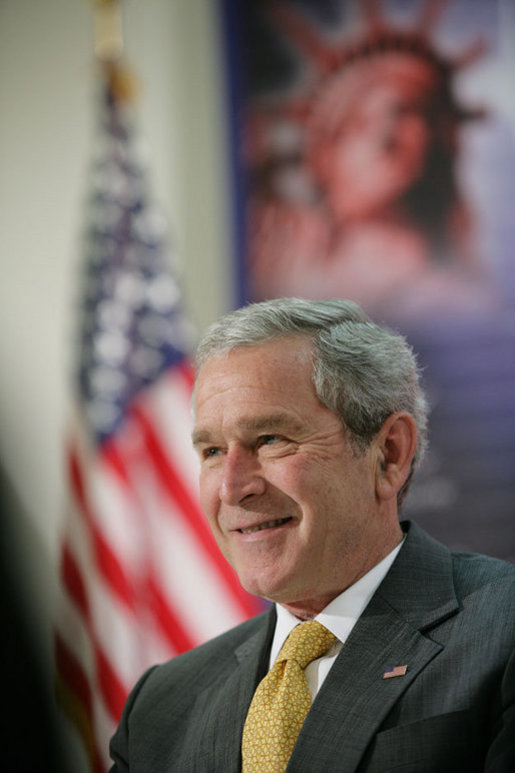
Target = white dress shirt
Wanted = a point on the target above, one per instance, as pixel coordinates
(339, 617)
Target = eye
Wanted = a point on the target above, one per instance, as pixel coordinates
(276, 442)
(210, 452)
(268, 440)
(275, 446)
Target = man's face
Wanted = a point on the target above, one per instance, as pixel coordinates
(292, 509)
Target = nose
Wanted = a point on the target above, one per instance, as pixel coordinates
(241, 476)
(388, 132)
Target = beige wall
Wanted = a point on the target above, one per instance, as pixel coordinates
(47, 95)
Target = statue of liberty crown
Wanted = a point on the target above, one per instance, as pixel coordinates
(380, 38)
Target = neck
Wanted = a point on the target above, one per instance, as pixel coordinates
(307, 609)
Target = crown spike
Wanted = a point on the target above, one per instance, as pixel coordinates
(476, 51)
(373, 18)
(377, 37)
(305, 37)
(430, 14)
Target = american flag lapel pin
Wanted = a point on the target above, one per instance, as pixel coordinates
(395, 671)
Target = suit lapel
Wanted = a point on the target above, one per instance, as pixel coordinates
(223, 706)
(417, 594)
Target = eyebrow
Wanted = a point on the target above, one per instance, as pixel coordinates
(273, 422)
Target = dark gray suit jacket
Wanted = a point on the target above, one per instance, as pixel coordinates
(448, 617)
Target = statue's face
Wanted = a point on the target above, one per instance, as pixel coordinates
(376, 137)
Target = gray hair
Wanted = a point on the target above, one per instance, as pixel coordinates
(362, 371)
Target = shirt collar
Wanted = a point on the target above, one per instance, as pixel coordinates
(343, 612)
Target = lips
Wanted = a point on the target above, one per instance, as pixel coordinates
(265, 525)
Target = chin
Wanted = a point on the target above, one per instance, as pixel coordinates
(270, 589)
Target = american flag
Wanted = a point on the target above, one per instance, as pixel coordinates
(141, 577)
(395, 671)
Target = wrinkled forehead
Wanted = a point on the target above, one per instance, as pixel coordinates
(275, 364)
(302, 344)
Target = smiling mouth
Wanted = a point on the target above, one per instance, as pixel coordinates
(266, 525)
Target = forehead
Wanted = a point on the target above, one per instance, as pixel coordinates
(274, 377)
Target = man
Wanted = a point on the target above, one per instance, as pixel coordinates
(309, 422)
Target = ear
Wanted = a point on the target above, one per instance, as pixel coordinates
(396, 443)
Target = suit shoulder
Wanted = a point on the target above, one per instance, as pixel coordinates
(470, 571)
(476, 574)
(207, 661)
(481, 568)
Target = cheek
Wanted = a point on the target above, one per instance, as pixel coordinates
(414, 139)
(302, 480)
(209, 499)
(350, 154)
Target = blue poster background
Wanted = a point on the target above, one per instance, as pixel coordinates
(374, 158)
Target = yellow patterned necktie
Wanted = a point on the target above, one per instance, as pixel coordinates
(282, 701)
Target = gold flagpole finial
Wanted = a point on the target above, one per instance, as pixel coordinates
(109, 46)
(108, 30)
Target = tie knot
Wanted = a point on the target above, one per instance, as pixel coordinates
(307, 642)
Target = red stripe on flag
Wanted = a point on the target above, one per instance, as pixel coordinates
(110, 453)
(73, 691)
(188, 374)
(76, 685)
(112, 689)
(106, 559)
(71, 672)
(168, 620)
(73, 581)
